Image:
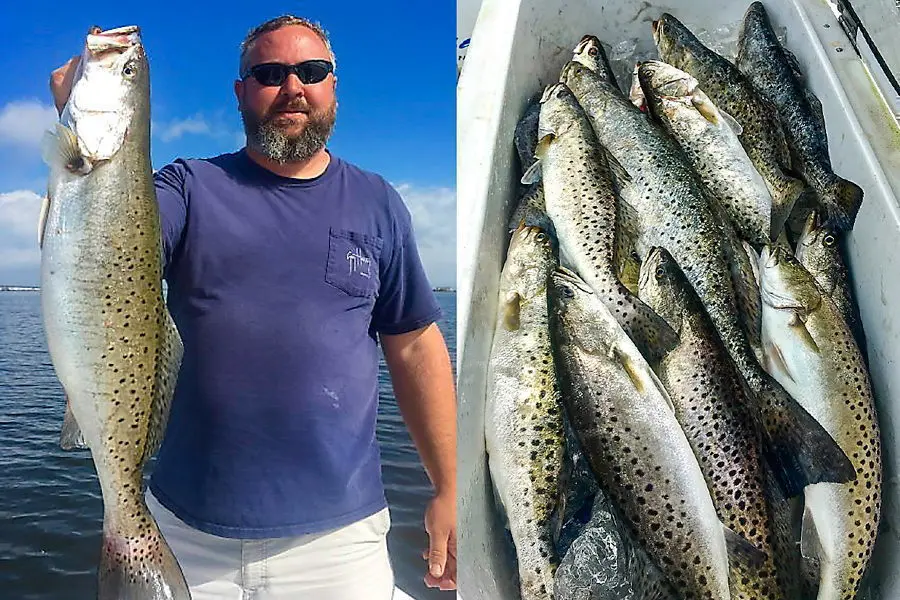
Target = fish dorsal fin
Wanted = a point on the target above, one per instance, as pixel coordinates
(167, 367)
(71, 438)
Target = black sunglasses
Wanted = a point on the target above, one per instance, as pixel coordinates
(272, 74)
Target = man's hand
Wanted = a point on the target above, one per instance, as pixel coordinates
(423, 384)
(440, 523)
(61, 81)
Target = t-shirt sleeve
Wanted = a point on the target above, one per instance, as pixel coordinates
(405, 301)
(171, 195)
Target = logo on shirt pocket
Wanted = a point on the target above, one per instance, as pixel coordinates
(353, 262)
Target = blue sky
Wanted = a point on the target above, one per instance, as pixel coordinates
(396, 94)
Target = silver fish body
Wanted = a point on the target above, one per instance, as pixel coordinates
(810, 349)
(523, 418)
(111, 340)
(774, 72)
(623, 418)
(675, 213)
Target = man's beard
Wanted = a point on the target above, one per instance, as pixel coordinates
(269, 139)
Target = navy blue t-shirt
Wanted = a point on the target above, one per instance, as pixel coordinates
(278, 287)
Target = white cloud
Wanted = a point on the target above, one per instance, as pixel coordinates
(24, 122)
(19, 252)
(434, 220)
(172, 130)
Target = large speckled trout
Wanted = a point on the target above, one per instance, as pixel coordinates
(112, 341)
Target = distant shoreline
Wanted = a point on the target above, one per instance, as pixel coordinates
(27, 288)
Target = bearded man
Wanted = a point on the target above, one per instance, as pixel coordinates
(285, 267)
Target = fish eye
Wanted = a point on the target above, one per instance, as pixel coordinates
(129, 70)
(540, 237)
(659, 272)
(592, 51)
(568, 292)
(634, 256)
(829, 240)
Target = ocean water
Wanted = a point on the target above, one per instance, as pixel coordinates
(50, 503)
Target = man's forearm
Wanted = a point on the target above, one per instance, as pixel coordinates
(423, 385)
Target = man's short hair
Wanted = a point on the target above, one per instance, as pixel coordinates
(278, 23)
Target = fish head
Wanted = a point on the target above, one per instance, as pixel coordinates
(816, 240)
(785, 284)
(532, 255)
(590, 53)
(673, 40)
(577, 314)
(583, 81)
(665, 87)
(661, 286)
(665, 80)
(559, 113)
(111, 86)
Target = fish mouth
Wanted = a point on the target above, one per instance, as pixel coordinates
(656, 27)
(654, 258)
(555, 90)
(590, 43)
(119, 39)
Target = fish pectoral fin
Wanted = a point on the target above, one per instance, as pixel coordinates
(621, 176)
(742, 551)
(42, 219)
(166, 376)
(534, 174)
(512, 312)
(798, 324)
(631, 369)
(753, 257)
(731, 122)
(59, 148)
(71, 438)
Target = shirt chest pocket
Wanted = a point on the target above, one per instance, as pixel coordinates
(353, 260)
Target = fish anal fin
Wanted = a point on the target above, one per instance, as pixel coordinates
(71, 438)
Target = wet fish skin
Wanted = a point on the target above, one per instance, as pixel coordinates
(523, 418)
(810, 349)
(730, 90)
(590, 52)
(674, 212)
(708, 395)
(711, 143)
(765, 62)
(623, 418)
(581, 202)
(819, 251)
(530, 208)
(112, 341)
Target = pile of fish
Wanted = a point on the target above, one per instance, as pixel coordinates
(675, 295)
(112, 341)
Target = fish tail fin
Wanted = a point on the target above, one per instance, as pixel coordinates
(783, 201)
(841, 200)
(649, 332)
(798, 448)
(139, 565)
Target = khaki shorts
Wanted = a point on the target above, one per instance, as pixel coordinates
(349, 563)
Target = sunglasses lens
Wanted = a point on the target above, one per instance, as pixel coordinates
(270, 75)
(313, 71)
